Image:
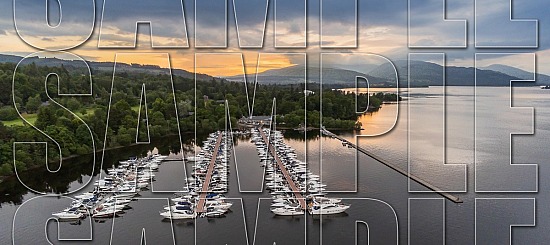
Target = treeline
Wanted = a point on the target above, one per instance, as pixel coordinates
(78, 123)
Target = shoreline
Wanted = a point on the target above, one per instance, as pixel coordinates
(315, 128)
(5, 177)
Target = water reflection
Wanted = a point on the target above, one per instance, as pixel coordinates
(75, 170)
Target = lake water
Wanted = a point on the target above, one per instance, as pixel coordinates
(374, 190)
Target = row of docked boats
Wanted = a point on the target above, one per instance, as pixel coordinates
(209, 179)
(284, 198)
(97, 205)
(185, 207)
(132, 175)
(113, 193)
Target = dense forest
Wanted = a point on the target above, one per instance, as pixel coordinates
(55, 105)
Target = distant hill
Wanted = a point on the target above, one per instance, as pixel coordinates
(295, 74)
(511, 71)
(429, 74)
(5, 58)
(103, 66)
(519, 73)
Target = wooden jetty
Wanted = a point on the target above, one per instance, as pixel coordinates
(206, 184)
(282, 167)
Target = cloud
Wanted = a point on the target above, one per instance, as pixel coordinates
(382, 25)
(47, 39)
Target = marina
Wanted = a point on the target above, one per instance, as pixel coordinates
(202, 196)
(283, 170)
(206, 184)
(293, 188)
(288, 178)
(113, 194)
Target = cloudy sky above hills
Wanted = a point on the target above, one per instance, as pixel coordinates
(97, 30)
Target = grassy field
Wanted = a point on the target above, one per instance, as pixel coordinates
(32, 117)
(19, 122)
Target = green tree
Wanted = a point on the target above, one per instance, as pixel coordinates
(118, 111)
(73, 104)
(33, 104)
(8, 113)
(46, 116)
(6, 169)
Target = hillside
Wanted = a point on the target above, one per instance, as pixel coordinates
(333, 76)
(429, 74)
(515, 72)
(103, 66)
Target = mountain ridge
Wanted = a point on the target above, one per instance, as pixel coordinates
(105, 66)
(428, 74)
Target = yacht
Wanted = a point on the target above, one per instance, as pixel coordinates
(329, 208)
(320, 199)
(178, 214)
(123, 195)
(177, 207)
(195, 158)
(65, 215)
(287, 211)
(214, 213)
(106, 213)
(87, 195)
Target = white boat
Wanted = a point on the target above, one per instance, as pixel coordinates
(287, 211)
(327, 200)
(123, 195)
(86, 195)
(152, 166)
(104, 214)
(115, 207)
(194, 159)
(118, 201)
(178, 207)
(214, 213)
(158, 156)
(186, 198)
(329, 208)
(68, 215)
(146, 174)
(219, 205)
(142, 184)
(178, 214)
(77, 208)
(127, 188)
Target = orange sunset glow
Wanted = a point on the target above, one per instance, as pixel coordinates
(217, 63)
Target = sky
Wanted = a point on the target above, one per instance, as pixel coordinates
(97, 30)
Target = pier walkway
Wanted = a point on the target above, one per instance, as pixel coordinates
(282, 167)
(206, 184)
(396, 168)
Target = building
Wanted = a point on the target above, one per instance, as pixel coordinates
(255, 120)
(308, 92)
